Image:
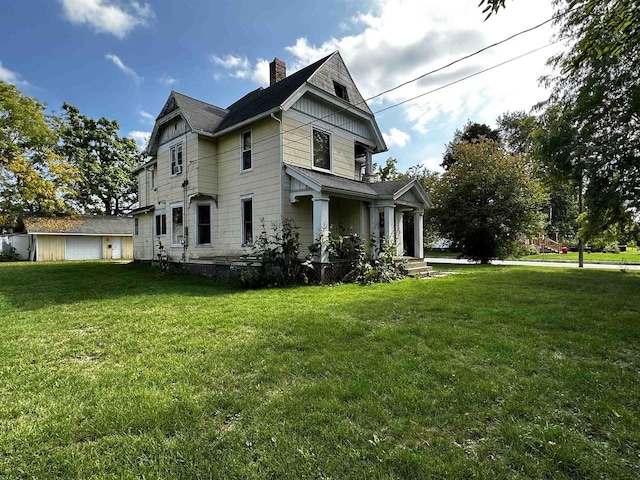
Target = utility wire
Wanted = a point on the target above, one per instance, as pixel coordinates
(348, 107)
(307, 136)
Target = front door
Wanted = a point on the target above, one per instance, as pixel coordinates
(408, 244)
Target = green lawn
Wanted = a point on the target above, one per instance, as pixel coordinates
(115, 371)
(631, 256)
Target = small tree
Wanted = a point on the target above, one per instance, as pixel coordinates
(486, 200)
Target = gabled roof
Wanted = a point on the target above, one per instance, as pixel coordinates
(387, 190)
(208, 119)
(264, 100)
(201, 116)
(79, 225)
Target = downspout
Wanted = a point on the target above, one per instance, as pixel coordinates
(281, 162)
(185, 206)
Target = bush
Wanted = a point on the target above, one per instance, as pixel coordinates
(10, 255)
(277, 261)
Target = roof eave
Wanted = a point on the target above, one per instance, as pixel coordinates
(246, 122)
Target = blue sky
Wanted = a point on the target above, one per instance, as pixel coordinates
(120, 58)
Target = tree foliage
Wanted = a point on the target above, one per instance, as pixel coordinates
(596, 102)
(471, 132)
(33, 178)
(105, 162)
(486, 200)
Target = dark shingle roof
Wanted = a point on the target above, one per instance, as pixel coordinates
(263, 100)
(201, 116)
(330, 181)
(390, 187)
(80, 225)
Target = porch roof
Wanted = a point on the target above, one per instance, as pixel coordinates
(327, 182)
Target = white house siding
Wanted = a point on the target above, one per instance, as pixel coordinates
(262, 183)
(301, 213)
(298, 138)
(143, 242)
(170, 189)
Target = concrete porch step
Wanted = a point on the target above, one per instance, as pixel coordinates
(416, 267)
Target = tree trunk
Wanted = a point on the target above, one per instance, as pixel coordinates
(580, 240)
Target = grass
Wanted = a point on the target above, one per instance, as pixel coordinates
(630, 257)
(115, 371)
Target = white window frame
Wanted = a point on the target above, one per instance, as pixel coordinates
(243, 239)
(313, 158)
(176, 159)
(180, 242)
(136, 226)
(159, 213)
(197, 224)
(244, 150)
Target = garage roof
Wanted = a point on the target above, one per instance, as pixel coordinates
(79, 225)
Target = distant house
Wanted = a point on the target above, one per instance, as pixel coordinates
(298, 150)
(79, 237)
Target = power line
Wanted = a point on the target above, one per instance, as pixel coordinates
(307, 136)
(347, 108)
(468, 56)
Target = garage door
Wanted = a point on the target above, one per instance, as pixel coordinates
(84, 248)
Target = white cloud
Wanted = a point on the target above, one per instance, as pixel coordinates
(261, 72)
(396, 137)
(238, 67)
(400, 40)
(432, 164)
(141, 138)
(128, 70)
(167, 80)
(146, 116)
(106, 16)
(242, 68)
(9, 76)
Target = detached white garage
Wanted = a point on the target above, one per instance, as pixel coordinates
(79, 237)
(83, 248)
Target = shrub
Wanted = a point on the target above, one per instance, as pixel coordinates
(277, 258)
(10, 255)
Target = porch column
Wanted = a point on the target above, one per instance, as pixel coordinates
(321, 225)
(399, 233)
(364, 231)
(389, 223)
(418, 234)
(374, 227)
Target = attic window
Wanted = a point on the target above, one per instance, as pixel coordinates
(341, 91)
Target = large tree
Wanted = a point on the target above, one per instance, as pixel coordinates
(486, 200)
(105, 162)
(596, 90)
(33, 179)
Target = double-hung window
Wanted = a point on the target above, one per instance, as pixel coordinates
(176, 159)
(247, 220)
(203, 224)
(161, 224)
(321, 150)
(177, 225)
(247, 144)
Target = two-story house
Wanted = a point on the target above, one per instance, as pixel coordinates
(300, 149)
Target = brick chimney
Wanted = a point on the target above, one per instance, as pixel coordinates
(277, 71)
